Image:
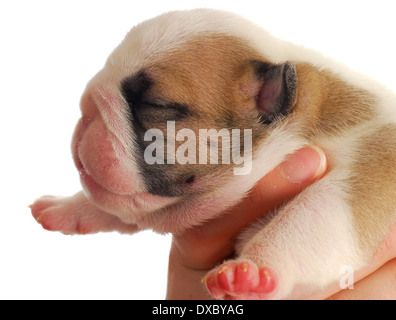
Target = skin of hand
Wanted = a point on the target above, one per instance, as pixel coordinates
(198, 250)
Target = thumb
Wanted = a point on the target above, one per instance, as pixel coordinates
(297, 172)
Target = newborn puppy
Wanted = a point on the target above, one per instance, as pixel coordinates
(192, 109)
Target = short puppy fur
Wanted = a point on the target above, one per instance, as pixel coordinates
(207, 69)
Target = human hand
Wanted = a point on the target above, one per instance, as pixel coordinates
(196, 251)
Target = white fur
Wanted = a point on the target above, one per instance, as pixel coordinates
(307, 242)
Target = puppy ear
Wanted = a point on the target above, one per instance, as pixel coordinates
(275, 91)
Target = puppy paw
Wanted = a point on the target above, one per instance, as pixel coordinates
(240, 280)
(58, 214)
(76, 215)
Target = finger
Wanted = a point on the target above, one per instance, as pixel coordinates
(297, 172)
(380, 285)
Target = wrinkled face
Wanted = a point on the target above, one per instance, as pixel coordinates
(171, 119)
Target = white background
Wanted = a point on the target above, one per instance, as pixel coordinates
(48, 51)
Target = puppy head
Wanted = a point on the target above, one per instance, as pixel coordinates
(176, 104)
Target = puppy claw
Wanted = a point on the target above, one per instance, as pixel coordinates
(245, 267)
(82, 230)
(222, 269)
(53, 213)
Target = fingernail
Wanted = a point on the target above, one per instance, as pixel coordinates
(304, 165)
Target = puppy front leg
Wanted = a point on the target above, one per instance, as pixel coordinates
(76, 215)
(301, 250)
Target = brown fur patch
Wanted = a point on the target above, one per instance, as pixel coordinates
(331, 107)
(373, 186)
(328, 105)
(206, 73)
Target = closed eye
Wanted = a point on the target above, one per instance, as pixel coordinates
(152, 112)
(175, 111)
(148, 114)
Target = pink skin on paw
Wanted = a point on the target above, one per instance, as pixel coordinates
(50, 212)
(75, 215)
(240, 280)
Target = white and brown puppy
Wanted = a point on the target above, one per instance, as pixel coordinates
(186, 73)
